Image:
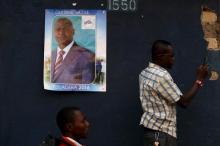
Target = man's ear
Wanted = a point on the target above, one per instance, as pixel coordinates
(69, 126)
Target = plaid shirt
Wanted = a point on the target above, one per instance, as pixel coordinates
(158, 95)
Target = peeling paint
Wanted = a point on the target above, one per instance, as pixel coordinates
(211, 27)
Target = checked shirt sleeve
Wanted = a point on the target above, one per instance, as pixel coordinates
(168, 89)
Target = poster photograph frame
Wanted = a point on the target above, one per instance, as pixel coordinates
(81, 37)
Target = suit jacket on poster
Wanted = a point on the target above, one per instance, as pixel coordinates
(78, 67)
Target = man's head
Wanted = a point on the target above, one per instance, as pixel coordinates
(162, 54)
(63, 31)
(72, 123)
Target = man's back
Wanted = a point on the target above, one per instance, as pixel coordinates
(158, 94)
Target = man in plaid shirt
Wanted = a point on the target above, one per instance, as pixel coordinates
(159, 95)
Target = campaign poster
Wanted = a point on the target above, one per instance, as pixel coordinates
(75, 50)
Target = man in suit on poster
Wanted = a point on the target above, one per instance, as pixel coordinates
(70, 63)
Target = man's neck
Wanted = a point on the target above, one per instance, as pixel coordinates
(71, 136)
(62, 46)
(159, 64)
(71, 141)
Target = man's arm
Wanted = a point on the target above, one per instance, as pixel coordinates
(202, 73)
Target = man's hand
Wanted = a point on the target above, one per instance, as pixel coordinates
(202, 72)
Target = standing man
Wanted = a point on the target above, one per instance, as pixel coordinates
(70, 63)
(159, 95)
(73, 126)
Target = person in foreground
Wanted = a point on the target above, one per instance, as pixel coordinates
(159, 96)
(73, 126)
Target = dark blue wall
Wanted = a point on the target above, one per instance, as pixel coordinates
(27, 111)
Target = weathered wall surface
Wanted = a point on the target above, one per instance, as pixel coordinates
(211, 28)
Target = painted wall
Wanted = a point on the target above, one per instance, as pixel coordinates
(27, 111)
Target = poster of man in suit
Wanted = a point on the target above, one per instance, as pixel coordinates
(75, 40)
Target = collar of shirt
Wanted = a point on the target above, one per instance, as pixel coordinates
(153, 65)
(71, 141)
(66, 49)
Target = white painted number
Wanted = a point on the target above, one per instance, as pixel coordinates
(132, 5)
(115, 4)
(124, 4)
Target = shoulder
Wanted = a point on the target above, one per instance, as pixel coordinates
(85, 53)
(166, 76)
(81, 49)
(153, 72)
(61, 142)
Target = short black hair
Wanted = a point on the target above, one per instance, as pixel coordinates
(64, 116)
(159, 46)
(66, 20)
